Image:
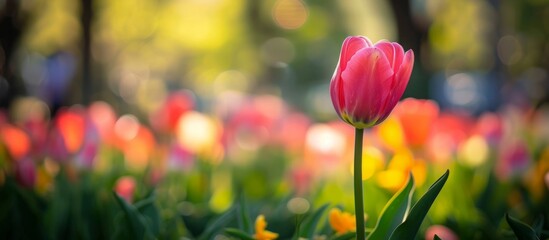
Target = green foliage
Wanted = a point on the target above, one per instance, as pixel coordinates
(521, 230)
(310, 223)
(238, 234)
(394, 212)
(218, 224)
(244, 221)
(413, 221)
(135, 222)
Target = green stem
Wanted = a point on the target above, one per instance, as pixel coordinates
(359, 202)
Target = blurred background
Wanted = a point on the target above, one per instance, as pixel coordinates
(133, 54)
(206, 100)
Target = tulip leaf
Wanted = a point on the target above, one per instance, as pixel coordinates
(149, 210)
(310, 224)
(237, 233)
(244, 221)
(394, 212)
(521, 230)
(218, 223)
(538, 225)
(135, 221)
(409, 228)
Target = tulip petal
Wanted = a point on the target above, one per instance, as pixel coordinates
(364, 79)
(351, 45)
(400, 81)
(336, 91)
(399, 56)
(394, 53)
(389, 50)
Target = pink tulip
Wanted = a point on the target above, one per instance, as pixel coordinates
(125, 187)
(369, 80)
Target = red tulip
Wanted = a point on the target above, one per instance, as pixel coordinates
(125, 187)
(369, 80)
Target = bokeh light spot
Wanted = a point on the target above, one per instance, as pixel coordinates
(126, 127)
(290, 14)
(298, 205)
(509, 50)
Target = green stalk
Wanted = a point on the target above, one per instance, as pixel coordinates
(359, 202)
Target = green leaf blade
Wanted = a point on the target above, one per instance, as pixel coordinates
(150, 212)
(521, 230)
(135, 222)
(409, 228)
(237, 233)
(218, 223)
(394, 212)
(308, 230)
(244, 220)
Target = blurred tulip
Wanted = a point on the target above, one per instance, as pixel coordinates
(25, 172)
(180, 158)
(90, 146)
(71, 125)
(252, 126)
(417, 117)
(139, 149)
(490, 126)
(56, 147)
(474, 152)
(200, 134)
(325, 149)
(103, 118)
(391, 134)
(136, 141)
(32, 115)
(85, 157)
(369, 80)
(401, 165)
(125, 187)
(342, 222)
(291, 132)
(448, 133)
(514, 160)
(15, 140)
(260, 230)
(441, 231)
(176, 104)
(38, 133)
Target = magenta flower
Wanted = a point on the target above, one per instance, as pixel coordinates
(369, 80)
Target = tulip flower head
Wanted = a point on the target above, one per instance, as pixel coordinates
(369, 80)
